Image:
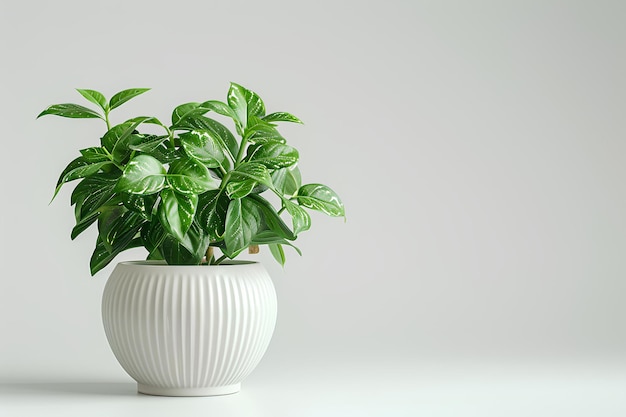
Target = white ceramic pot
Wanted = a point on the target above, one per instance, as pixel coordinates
(189, 330)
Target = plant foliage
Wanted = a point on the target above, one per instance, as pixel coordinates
(195, 187)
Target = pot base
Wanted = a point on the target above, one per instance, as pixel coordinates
(188, 392)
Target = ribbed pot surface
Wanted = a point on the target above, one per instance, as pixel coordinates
(189, 330)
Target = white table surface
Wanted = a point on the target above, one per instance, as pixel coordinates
(375, 389)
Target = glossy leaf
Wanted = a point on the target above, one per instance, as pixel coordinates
(264, 133)
(95, 97)
(120, 234)
(101, 257)
(271, 219)
(211, 213)
(217, 130)
(182, 112)
(176, 212)
(256, 107)
(146, 143)
(287, 180)
(240, 189)
(123, 96)
(74, 111)
(188, 176)
(237, 101)
(253, 171)
(321, 198)
(108, 221)
(166, 155)
(266, 237)
(146, 120)
(92, 193)
(301, 220)
(273, 155)
(118, 139)
(242, 222)
(245, 103)
(189, 251)
(78, 168)
(95, 154)
(117, 227)
(83, 225)
(204, 147)
(141, 204)
(282, 117)
(278, 253)
(144, 174)
(219, 108)
(153, 235)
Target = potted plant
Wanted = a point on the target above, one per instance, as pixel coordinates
(190, 320)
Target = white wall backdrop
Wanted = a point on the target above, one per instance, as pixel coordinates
(479, 148)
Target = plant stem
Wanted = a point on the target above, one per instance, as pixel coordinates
(242, 148)
(209, 255)
(220, 260)
(106, 119)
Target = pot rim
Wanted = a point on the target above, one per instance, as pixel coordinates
(163, 264)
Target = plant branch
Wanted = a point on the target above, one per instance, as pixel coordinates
(220, 260)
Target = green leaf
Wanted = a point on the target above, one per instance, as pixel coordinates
(123, 96)
(301, 220)
(219, 108)
(102, 257)
(244, 179)
(217, 130)
(211, 213)
(263, 133)
(83, 225)
(141, 204)
(144, 174)
(108, 220)
(266, 237)
(242, 223)
(253, 171)
(115, 237)
(117, 227)
(204, 147)
(118, 139)
(146, 143)
(287, 180)
(118, 134)
(273, 155)
(145, 119)
(92, 193)
(78, 168)
(166, 155)
(271, 219)
(70, 110)
(278, 253)
(95, 154)
(188, 252)
(321, 198)
(240, 189)
(245, 103)
(185, 110)
(153, 235)
(188, 176)
(95, 97)
(176, 212)
(237, 101)
(256, 107)
(282, 117)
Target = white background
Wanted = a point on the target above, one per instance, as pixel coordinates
(478, 147)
